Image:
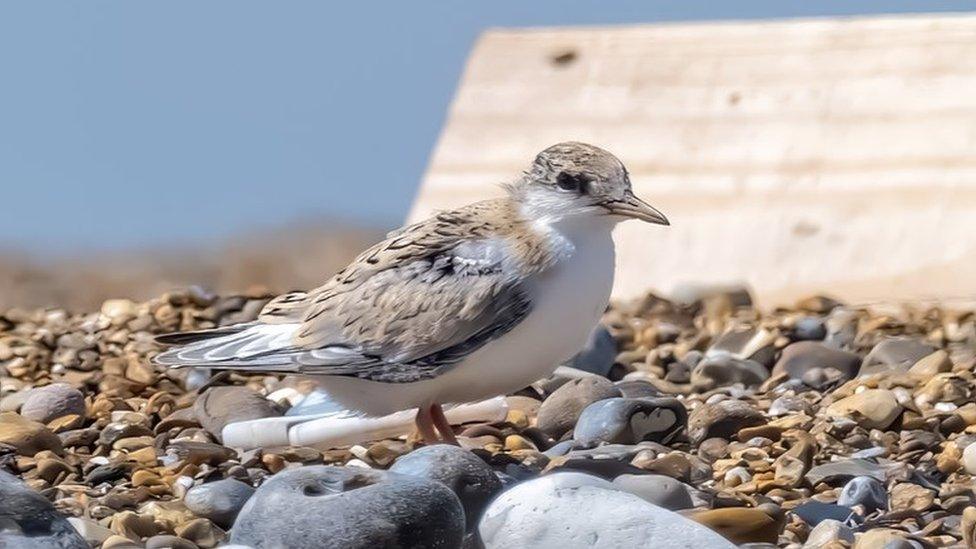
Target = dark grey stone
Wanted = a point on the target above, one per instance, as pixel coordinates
(106, 473)
(328, 507)
(866, 491)
(29, 521)
(631, 420)
(467, 475)
(814, 512)
(559, 412)
(220, 501)
(598, 355)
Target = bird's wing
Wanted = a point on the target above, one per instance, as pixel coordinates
(405, 310)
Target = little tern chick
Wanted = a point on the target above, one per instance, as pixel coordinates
(469, 304)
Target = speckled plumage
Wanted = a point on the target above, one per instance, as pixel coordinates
(432, 294)
(404, 309)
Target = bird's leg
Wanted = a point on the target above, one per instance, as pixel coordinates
(443, 426)
(425, 425)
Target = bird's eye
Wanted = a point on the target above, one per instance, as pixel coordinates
(572, 182)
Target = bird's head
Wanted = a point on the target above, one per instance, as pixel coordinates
(575, 179)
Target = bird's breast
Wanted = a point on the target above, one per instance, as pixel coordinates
(572, 295)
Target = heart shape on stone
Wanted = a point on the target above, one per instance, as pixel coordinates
(659, 420)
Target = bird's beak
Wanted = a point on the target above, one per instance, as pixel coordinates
(635, 208)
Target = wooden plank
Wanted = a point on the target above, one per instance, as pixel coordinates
(832, 155)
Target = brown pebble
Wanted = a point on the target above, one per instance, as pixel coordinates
(202, 532)
(740, 524)
(133, 526)
(27, 437)
(273, 462)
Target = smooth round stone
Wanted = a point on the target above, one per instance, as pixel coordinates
(871, 409)
(829, 531)
(810, 328)
(577, 510)
(560, 411)
(27, 437)
(660, 490)
(630, 420)
(467, 475)
(866, 491)
(349, 508)
(220, 501)
(44, 404)
(598, 355)
(741, 524)
(29, 520)
(798, 359)
(931, 365)
(722, 419)
(895, 355)
(219, 406)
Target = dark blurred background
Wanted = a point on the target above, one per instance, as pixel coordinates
(232, 143)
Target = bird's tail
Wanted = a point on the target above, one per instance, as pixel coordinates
(183, 338)
(231, 346)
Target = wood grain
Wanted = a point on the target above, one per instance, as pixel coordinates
(833, 155)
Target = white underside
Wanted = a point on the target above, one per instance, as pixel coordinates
(568, 301)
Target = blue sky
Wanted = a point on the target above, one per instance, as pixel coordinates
(126, 124)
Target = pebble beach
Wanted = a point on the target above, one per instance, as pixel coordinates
(705, 423)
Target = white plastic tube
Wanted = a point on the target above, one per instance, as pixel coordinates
(336, 430)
